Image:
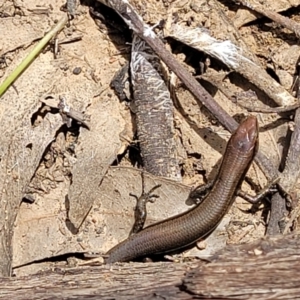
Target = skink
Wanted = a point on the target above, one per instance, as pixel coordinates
(186, 228)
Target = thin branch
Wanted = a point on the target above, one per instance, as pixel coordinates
(269, 110)
(272, 15)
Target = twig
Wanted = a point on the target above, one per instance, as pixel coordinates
(269, 110)
(243, 98)
(68, 113)
(274, 16)
(135, 22)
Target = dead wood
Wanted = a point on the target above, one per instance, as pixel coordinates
(264, 269)
(154, 113)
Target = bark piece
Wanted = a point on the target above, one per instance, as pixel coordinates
(291, 172)
(264, 269)
(267, 268)
(154, 113)
(277, 213)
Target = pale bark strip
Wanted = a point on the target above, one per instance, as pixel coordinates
(153, 108)
(235, 58)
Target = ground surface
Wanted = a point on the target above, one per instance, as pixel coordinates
(79, 169)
